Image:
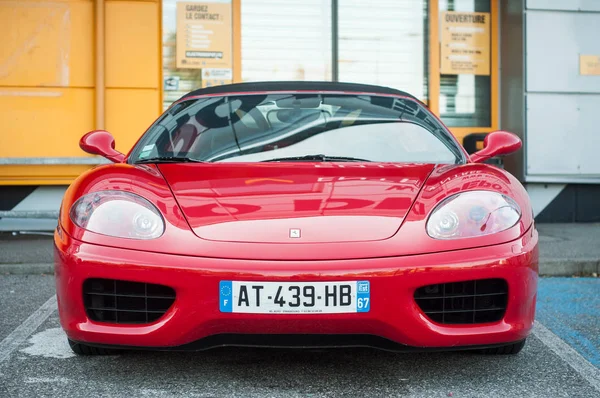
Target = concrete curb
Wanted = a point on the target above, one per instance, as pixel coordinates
(570, 267)
(554, 267)
(27, 269)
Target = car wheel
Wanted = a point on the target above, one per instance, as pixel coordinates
(84, 349)
(510, 349)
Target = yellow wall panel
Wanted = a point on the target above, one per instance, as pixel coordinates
(132, 44)
(47, 43)
(44, 122)
(48, 1)
(33, 175)
(129, 112)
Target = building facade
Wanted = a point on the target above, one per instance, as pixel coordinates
(71, 66)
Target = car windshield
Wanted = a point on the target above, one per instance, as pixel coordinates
(297, 127)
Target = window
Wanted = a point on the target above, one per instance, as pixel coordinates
(465, 100)
(286, 40)
(384, 43)
(178, 81)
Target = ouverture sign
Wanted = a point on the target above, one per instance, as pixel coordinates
(465, 43)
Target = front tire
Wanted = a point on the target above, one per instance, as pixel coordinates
(510, 349)
(87, 350)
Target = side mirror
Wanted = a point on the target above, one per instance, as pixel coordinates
(497, 143)
(101, 142)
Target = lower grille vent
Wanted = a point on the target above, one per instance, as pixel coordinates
(476, 301)
(109, 300)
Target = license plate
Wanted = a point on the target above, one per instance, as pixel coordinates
(295, 297)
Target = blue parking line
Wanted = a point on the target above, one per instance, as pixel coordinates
(570, 308)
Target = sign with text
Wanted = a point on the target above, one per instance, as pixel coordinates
(216, 77)
(204, 35)
(465, 43)
(589, 65)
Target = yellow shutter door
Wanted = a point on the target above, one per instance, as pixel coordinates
(48, 78)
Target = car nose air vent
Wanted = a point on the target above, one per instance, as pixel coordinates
(109, 300)
(476, 301)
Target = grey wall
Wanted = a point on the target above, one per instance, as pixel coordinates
(562, 111)
(566, 5)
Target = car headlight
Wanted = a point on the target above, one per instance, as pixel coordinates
(118, 213)
(473, 213)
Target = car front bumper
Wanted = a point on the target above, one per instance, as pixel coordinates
(194, 320)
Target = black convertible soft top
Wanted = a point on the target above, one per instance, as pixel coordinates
(296, 86)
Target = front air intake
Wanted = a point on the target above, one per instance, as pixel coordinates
(475, 301)
(115, 301)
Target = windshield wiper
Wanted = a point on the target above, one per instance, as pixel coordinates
(168, 159)
(320, 158)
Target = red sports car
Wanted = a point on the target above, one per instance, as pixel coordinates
(297, 214)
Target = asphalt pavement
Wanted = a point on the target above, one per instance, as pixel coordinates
(561, 358)
(35, 360)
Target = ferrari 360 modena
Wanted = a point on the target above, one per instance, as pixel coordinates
(297, 214)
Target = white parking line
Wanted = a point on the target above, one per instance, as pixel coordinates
(568, 354)
(24, 330)
(582, 366)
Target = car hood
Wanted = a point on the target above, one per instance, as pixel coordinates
(291, 202)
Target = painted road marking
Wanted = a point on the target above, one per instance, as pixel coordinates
(568, 354)
(18, 336)
(569, 307)
(49, 343)
(24, 330)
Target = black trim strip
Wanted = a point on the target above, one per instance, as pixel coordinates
(13, 195)
(575, 203)
(228, 89)
(301, 341)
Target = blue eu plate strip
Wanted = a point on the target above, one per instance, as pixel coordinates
(226, 296)
(363, 296)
